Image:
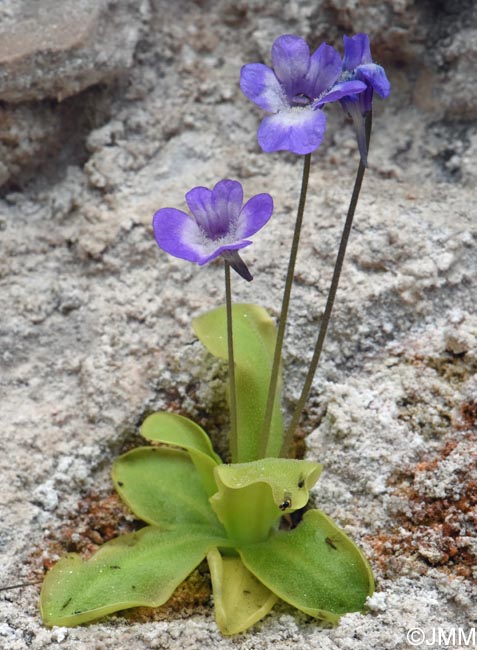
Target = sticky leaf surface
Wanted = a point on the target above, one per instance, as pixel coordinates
(240, 600)
(252, 496)
(161, 486)
(254, 344)
(173, 429)
(315, 567)
(141, 568)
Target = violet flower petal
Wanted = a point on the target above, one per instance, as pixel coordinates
(375, 75)
(290, 60)
(227, 201)
(324, 70)
(357, 51)
(199, 200)
(226, 247)
(201, 203)
(260, 84)
(178, 234)
(341, 89)
(254, 215)
(299, 130)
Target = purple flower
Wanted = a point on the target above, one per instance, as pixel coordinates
(295, 90)
(220, 224)
(358, 65)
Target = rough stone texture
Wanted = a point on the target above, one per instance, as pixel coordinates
(95, 329)
(49, 51)
(56, 48)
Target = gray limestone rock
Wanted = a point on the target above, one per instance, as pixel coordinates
(51, 51)
(56, 48)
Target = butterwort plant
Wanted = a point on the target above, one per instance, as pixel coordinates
(238, 514)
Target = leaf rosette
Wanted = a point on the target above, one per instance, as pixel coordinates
(197, 507)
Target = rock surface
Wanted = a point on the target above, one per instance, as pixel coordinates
(95, 328)
(50, 51)
(57, 48)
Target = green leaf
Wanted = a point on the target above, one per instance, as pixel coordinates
(172, 429)
(161, 486)
(246, 514)
(138, 569)
(315, 567)
(240, 600)
(254, 344)
(252, 496)
(289, 479)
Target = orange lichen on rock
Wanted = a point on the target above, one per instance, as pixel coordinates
(434, 506)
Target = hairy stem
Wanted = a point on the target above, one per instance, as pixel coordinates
(230, 347)
(330, 300)
(284, 311)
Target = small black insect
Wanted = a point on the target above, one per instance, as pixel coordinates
(331, 543)
(301, 483)
(120, 483)
(287, 501)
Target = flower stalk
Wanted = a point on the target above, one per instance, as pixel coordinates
(284, 309)
(331, 296)
(230, 348)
